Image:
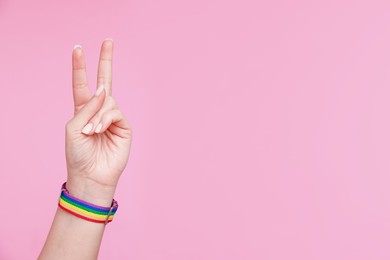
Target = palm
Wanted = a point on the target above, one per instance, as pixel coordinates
(95, 156)
(99, 156)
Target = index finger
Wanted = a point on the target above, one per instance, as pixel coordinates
(81, 93)
(105, 66)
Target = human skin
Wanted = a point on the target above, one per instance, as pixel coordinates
(97, 147)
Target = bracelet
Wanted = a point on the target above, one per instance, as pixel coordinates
(85, 210)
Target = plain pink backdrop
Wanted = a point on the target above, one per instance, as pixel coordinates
(261, 128)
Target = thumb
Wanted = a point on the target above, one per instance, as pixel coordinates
(89, 109)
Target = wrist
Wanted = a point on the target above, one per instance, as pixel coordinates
(90, 191)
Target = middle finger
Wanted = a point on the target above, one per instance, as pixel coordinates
(105, 66)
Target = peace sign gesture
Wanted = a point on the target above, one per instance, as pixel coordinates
(98, 137)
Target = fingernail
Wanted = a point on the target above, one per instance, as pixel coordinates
(77, 46)
(98, 128)
(99, 90)
(87, 128)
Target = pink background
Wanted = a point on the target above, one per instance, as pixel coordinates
(261, 128)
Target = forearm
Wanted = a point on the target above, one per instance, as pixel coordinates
(71, 237)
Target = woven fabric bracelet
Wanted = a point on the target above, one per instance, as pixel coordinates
(85, 210)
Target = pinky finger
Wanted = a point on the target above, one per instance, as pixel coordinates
(115, 122)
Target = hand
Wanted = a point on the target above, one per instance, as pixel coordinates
(98, 137)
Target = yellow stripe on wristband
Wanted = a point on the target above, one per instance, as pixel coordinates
(84, 212)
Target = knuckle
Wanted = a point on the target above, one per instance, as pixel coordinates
(68, 125)
(104, 80)
(80, 85)
(106, 115)
(117, 112)
(77, 109)
(111, 102)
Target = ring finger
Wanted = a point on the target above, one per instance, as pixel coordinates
(93, 123)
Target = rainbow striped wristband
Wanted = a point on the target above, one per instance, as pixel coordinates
(85, 210)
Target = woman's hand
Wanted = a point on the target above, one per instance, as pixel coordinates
(98, 137)
(96, 155)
